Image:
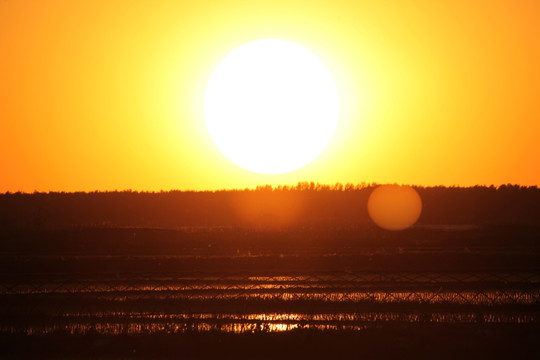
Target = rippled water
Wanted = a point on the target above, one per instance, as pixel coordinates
(240, 304)
(133, 323)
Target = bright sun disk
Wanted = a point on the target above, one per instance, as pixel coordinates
(271, 106)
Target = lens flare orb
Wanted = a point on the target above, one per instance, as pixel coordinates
(394, 207)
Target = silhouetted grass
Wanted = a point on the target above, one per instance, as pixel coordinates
(500, 341)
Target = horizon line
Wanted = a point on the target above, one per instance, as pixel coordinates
(299, 186)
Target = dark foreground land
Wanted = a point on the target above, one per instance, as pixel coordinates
(90, 292)
(265, 287)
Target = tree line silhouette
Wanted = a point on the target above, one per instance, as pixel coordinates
(306, 204)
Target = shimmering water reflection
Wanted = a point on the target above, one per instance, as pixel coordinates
(148, 323)
(241, 303)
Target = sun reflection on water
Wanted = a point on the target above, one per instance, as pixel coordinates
(111, 323)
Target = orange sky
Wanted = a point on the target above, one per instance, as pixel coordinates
(104, 95)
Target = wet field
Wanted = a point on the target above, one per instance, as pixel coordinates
(192, 301)
(177, 303)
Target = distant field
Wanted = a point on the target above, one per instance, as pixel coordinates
(306, 205)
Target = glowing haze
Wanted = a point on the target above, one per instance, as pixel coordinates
(110, 94)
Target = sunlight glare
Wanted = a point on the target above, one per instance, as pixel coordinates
(271, 106)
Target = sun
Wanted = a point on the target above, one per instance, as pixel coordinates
(271, 106)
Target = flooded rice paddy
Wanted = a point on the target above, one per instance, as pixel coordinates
(251, 303)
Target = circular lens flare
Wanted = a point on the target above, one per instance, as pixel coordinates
(394, 207)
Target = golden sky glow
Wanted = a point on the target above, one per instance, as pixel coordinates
(109, 94)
